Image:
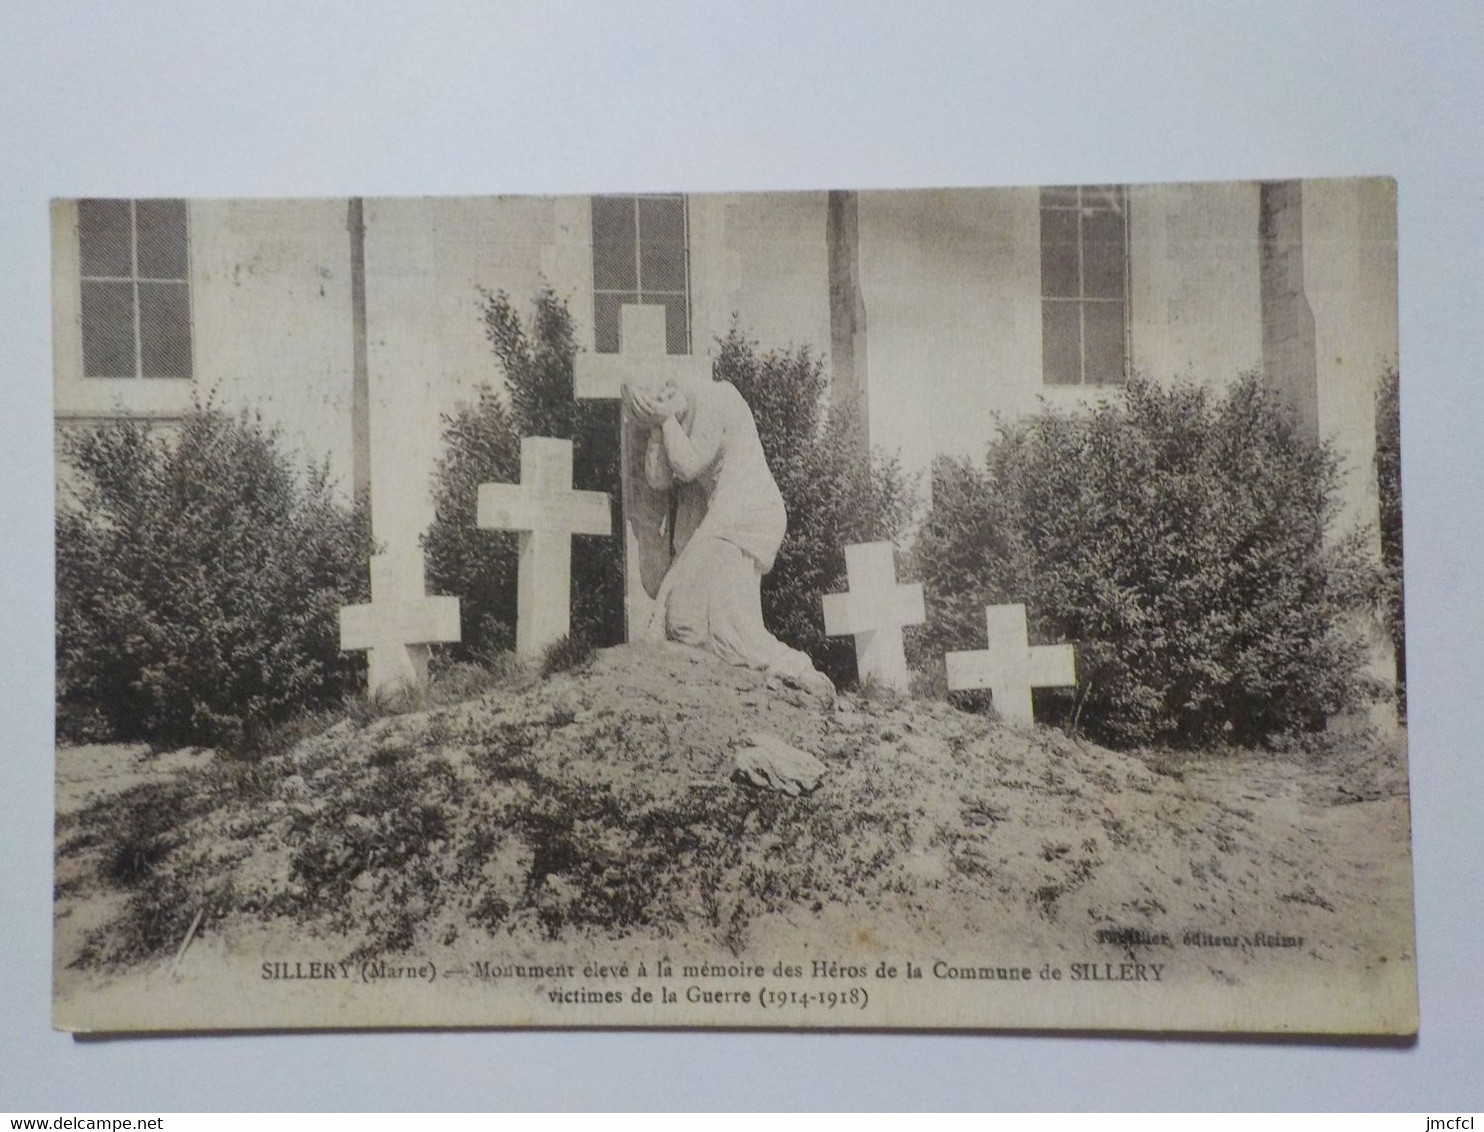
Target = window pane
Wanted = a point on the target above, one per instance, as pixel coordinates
(613, 221)
(165, 329)
(1061, 344)
(662, 219)
(162, 238)
(606, 319)
(108, 329)
(677, 324)
(613, 267)
(1064, 196)
(661, 266)
(1103, 331)
(1102, 255)
(614, 236)
(103, 231)
(1100, 196)
(1059, 253)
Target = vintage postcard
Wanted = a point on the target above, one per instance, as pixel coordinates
(967, 608)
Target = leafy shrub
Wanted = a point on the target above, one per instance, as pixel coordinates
(1178, 538)
(1389, 486)
(834, 490)
(199, 582)
(482, 445)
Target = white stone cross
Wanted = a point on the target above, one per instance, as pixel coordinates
(641, 358)
(874, 611)
(547, 513)
(399, 624)
(1011, 667)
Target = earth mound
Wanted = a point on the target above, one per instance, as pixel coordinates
(600, 804)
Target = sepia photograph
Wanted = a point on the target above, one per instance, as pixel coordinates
(947, 609)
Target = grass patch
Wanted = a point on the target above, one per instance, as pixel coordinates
(569, 654)
(449, 683)
(873, 691)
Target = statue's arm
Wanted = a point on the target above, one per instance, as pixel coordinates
(657, 468)
(691, 455)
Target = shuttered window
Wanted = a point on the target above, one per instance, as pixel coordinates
(641, 255)
(136, 292)
(1084, 284)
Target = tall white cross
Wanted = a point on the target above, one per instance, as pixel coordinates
(1011, 667)
(874, 611)
(401, 621)
(398, 625)
(547, 513)
(642, 358)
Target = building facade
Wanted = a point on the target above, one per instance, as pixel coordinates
(939, 312)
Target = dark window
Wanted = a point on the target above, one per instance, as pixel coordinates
(136, 292)
(641, 255)
(1084, 284)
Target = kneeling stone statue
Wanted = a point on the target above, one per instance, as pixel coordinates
(729, 521)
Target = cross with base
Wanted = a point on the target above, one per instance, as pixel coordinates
(874, 611)
(547, 513)
(1011, 667)
(641, 358)
(399, 624)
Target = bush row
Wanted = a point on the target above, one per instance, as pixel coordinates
(199, 579)
(1181, 539)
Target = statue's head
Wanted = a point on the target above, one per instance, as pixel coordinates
(652, 401)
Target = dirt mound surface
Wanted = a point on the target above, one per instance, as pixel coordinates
(600, 804)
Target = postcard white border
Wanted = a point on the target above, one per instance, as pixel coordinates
(382, 98)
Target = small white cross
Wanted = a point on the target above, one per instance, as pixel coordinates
(1011, 667)
(547, 513)
(874, 611)
(399, 624)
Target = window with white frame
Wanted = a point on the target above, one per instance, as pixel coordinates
(136, 292)
(1084, 284)
(641, 255)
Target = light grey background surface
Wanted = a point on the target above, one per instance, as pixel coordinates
(286, 99)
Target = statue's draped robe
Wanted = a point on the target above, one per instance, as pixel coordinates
(729, 521)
